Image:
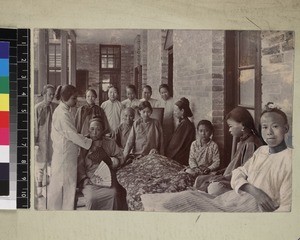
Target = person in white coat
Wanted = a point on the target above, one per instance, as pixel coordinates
(66, 143)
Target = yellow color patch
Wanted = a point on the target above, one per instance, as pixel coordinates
(4, 102)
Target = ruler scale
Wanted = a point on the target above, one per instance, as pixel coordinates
(23, 118)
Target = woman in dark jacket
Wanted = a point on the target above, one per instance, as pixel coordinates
(178, 148)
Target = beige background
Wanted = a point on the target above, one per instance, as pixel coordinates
(184, 14)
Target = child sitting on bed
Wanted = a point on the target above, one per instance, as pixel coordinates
(121, 134)
(204, 153)
(146, 135)
(264, 183)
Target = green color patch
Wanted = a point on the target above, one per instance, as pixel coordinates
(4, 85)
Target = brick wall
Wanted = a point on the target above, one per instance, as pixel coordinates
(218, 38)
(137, 51)
(88, 59)
(154, 62)
(277, 71)
(164, 58)
(127, 52)
(144, 51)
(199, 75)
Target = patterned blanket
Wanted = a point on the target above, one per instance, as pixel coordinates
(152, 174)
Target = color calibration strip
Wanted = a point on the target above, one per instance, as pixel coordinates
(17, 96)
(4, 119)
(10, 36)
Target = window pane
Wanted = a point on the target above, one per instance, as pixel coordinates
(105, 82)
(104, 63)
(247, 87)
(110, 50)
(247, 44)
(110, 63)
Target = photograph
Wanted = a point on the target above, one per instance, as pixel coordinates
(163, 120)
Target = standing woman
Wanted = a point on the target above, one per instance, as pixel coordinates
(66, 143)
(147, 93)
(86, 112)
(167, 102)
(182, 138)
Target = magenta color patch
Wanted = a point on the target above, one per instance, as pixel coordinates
(4, 136)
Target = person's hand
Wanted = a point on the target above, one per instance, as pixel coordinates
(204, 169)
(153, 151)
(190, 171)
(86, 181)
(262, 199)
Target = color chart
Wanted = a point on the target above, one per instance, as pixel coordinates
(14, 118)
(4, 119)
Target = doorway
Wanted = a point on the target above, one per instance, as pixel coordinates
(242, 77)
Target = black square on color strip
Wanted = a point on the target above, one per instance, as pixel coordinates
(4, 171)
(4, 187)
(8, 33)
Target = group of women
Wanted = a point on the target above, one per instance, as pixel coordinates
(57, 126)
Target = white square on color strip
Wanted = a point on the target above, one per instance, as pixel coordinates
(4, 154)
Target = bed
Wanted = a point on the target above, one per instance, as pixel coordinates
(152, 174)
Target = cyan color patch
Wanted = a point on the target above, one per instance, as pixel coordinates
(4, 67)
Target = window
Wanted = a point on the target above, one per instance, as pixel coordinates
(110, 57)
(110, 69)
(54, 64)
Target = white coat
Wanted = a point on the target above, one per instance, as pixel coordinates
(66, 142)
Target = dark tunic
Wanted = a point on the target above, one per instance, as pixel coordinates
(180, 143)
(85, 113)
(98, 197)
(121, 134)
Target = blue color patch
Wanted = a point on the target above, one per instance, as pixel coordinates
(4, 63)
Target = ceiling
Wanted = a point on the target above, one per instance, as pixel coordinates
(106, 36)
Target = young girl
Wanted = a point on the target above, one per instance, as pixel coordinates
(241, 127)
(204, 153)
(121, 134)
(146, 134)
(112, 108)
(131, 100)
(147, 93)
(43, 120)
(263, 184)
(179, 146)
(167, 102)
(66, 142)
(87, 111)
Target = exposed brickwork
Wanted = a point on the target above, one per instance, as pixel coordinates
(199, 76)
(154, 61)
(137, 51)
(277, 71)
(164, 58)
(144, 51)
(88, 59)
(127, 52)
